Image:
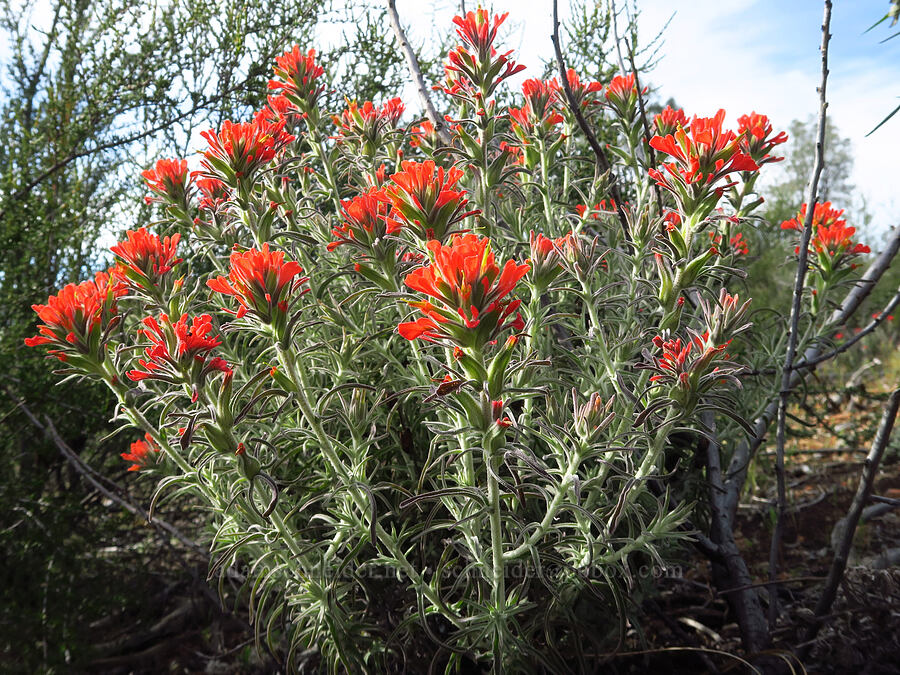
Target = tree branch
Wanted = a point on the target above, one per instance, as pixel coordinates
(93, 478)
(730, 569)
(413, 62)
(743, 454)
(871, 326)
(602, 160)
(839, 564)
(799, 284)
(651, 153)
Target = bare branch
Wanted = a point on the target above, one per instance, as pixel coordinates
(740, 460)
(413, 62)
(93, 478)
(870, 469)
(799, 284)
(730, 569)
(872, 325)
(651, 154)
(602, 160)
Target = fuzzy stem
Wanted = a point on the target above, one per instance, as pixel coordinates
(298, 377)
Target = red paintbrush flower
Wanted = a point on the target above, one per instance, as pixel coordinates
(141, 453)
(703, 156)
(470, 291)
(365, 224)
(582, 91)
(263, 284)
(540, 113)
(179, 351)
(77, 318)
(622, 97)
(423, 136)
(297, 76)
(546, 258)
(424, 199)
(669, 121)
(757, 140)
(213, 192)
(238, 151)
(170, 182)
(144, 258)
(368, 125)
(474, 69)
(831, 235)
(690, 368)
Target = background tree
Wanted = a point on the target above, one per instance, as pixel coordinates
(788, 184)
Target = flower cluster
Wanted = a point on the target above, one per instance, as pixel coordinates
(263, 283)
(297, 76)
(78, 319)
(704, 155)
(670, 121)
(424, 200)
(546, 258)
(471, 292)
(213, 193)
(831, 247)
(737, 245)
(238, 151)
(365, 224)
(141, 453)
(687, 369)
(582, 92)
(831, 235)
(591, 417)
(540, 113)
(144, 259)
(424, 136)
(474, 69)
(757, 139)
(622, 97)
(368, 126)
(170, 182)
(179, 351)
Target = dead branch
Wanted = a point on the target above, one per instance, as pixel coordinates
(867, 479)
(92, 477)
(799, 283)
(743, 454)
(731, 570)
(871, 326)
(413, 62)
(602, 160)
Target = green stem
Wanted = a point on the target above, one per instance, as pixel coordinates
(545, 186)
(301, 386)
(552, 509)
(138, 420)
(318, 145)
(498, 569)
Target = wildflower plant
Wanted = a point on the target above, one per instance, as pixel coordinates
(420, 369)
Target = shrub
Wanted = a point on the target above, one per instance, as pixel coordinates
(434, 393)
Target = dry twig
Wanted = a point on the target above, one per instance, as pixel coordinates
(413, 62)
(602, 159)
(799, 283)
(866, 481)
